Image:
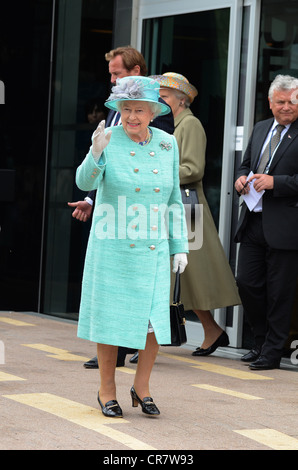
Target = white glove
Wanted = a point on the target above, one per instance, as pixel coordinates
(179, 261)
(100, 140)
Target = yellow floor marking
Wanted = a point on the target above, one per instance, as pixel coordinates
(127, 370)
(57, 353)
(238, 374)
(82, 415)
(226, 391)
(4, 377)
(64, 355)
(271, 438)
(11, 321)
(179, 358)
(209, 367)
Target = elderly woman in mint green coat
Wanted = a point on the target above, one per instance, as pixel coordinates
(138, 223)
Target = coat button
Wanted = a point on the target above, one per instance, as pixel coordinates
(156, 190)
(152, 247)
(138, 189)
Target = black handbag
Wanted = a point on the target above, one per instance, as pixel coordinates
(189, 196)
(177, 317)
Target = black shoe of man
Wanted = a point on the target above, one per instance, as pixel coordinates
(93, 363)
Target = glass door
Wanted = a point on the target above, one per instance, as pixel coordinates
(202, 40)
(82, 36)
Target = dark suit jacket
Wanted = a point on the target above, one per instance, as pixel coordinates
(280, 205)
(165, 123)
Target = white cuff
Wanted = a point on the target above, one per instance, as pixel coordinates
(89, 200)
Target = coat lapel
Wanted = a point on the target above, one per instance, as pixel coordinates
(260, 138)
(288, 138)
(111, 114)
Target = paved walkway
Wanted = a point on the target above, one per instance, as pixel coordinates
(48, 399)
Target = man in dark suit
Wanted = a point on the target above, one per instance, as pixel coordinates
(123, 61)
(268, 233)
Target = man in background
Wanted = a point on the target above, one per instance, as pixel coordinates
(267, 232)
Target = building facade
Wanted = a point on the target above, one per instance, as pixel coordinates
(52, 71)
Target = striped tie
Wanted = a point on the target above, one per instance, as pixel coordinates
(117, 118)
(269, 150)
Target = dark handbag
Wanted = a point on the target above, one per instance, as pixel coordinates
(177, 317)
(189, 196)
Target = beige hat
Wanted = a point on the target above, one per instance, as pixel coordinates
(178, 82)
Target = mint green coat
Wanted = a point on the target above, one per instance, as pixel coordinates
(126, 280)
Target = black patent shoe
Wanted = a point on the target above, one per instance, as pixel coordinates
(262, 363)
(111, 409)
(134, 359)
(251, 355)
(147, 404)
(92, 364)
(222, 340)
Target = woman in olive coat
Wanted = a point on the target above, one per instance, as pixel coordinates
(208, 282)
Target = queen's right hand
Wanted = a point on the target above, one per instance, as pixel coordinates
(100, 140)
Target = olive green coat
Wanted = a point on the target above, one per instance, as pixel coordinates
(208, 281)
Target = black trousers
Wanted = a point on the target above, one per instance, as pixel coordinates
(267, 280)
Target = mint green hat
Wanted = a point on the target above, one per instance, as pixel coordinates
(136, 88)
